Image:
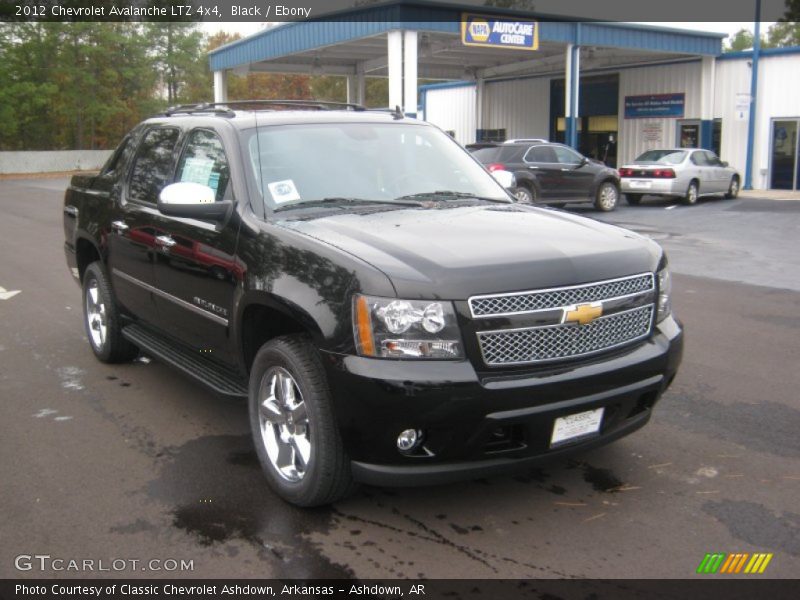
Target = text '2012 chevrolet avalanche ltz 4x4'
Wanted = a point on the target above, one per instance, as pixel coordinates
(393, 317)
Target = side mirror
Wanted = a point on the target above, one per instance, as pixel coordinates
(505, 178)
(724, 163)
(193, 201)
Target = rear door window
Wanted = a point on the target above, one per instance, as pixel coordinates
(152, 167)
(541, 154)
(566, 156)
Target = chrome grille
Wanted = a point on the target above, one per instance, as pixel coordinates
(523, 302)
(554, 342)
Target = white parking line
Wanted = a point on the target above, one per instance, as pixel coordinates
(5, 295)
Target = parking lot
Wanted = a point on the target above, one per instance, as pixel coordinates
(136, 461)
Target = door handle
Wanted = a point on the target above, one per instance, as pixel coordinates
(119, 226)
(532, 167)
(566, 169)
(165, 241)
(71, 211)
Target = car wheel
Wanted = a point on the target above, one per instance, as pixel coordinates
(525, 195)
(606, 197)
(294, 430)
(733, 188)
(101, 318)
(691, 194)
(633, 199)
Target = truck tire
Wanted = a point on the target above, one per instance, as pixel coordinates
(101, 318)
(294, 429)
(607, 196)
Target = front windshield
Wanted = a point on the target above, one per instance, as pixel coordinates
(664, 157)
(294, 164)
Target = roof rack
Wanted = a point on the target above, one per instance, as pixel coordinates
(224, 108)
(203, 107)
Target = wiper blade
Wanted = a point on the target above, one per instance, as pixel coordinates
(343, 200)
(453, 194)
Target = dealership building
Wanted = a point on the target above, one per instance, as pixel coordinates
(611, 90)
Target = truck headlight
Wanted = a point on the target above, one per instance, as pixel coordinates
(664, 291)
(392, 328)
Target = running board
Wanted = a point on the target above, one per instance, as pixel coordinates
(219, 379)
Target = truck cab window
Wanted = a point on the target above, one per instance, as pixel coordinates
(204, 162)
(152, 166)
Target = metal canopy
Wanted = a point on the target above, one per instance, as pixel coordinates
(408, 40)
(442, 56)
(354, 41)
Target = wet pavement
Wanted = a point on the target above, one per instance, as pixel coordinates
(136, 461)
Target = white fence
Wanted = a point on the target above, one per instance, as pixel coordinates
(52, 161)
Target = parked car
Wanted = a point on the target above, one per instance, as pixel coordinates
(553, 174)
(390, 314)
(685, 172)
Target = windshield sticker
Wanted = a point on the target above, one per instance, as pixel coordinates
(283, 191)
(197, 170)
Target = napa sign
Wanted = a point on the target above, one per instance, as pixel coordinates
(498, 32)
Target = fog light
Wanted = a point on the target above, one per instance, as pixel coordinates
(408, 440)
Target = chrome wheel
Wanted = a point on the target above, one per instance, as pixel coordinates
(523, 195)
(284, 424)
(734, 189)
(607, 197)
(96, 320)
(691, 194)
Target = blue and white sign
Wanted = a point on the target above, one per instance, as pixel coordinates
(655, 105)
(499, 32)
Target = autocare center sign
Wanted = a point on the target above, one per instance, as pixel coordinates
(655, 105)
(499, 32)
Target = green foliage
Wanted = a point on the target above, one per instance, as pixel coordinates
(73, 85)
(84, 85)
(782, 34)
(741, 40)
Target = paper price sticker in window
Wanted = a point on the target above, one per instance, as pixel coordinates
(283, 191)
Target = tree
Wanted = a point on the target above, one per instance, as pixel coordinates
(252, 86)
(783, 34)
(741, 40)
(176, 50)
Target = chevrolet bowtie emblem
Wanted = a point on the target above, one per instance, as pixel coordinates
(582, 313)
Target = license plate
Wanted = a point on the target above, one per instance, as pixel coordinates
(573, 427)
(639, 184)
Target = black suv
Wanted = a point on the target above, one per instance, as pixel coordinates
(391, 314)
(554, 174)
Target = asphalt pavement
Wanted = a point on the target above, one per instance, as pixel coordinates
(137, 462)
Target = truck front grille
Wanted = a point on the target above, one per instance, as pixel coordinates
(496, 305)
(564, 341)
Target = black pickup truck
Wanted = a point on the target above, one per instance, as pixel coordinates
(391, 314)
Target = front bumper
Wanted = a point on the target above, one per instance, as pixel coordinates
(482, 423)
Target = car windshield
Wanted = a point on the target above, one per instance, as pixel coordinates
(315, 163)
(664, 157)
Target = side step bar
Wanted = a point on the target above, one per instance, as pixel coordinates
(219, 379)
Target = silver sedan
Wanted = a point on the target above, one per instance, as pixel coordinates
(685, 172)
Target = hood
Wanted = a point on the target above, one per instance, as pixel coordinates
(456, 252)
